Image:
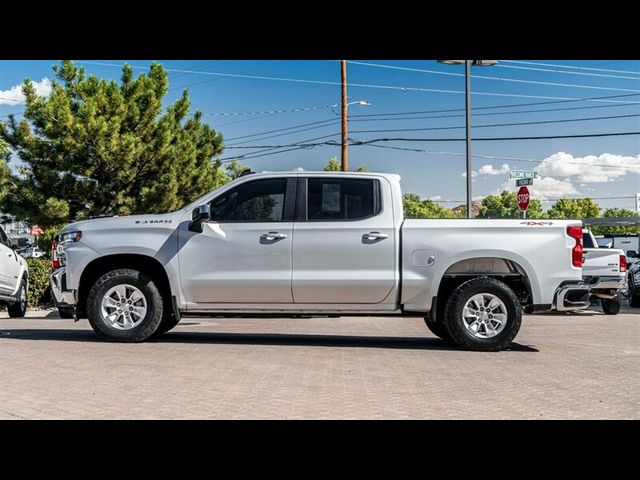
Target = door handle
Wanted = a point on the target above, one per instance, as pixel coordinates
(273, 236)
(9, 254)
(374, 236)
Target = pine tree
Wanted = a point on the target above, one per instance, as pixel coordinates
(101, 147)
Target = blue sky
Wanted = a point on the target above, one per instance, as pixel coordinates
(597, 167)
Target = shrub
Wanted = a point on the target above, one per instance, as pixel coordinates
(39, 272)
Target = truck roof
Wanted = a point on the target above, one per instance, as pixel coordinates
(324, 173)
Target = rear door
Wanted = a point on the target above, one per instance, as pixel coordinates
(343, 241)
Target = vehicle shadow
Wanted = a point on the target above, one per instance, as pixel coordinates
(284, 339)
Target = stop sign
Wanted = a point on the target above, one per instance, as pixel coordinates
(523, 198)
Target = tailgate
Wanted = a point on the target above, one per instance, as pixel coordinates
(601, 262)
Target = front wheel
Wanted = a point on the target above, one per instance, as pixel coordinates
(483, 314)
(611, 306)
(124, 305)
(438, 329)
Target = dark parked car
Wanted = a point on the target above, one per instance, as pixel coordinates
(633, 285)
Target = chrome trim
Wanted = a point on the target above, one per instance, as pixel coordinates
(561, 304)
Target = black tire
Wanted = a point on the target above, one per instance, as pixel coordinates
(634, 301)
(459, 298)
(167, 323)
(612, 306)
(18, 309)
(438, 329)
(147, 326)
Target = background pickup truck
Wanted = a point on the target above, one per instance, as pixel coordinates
(604, 272)
(303, 243)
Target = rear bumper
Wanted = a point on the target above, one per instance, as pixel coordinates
(605, 283)
(64, 299)
(571, 296)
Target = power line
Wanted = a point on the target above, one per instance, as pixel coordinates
(568, 73)
(282, 129)
(514, 105)
(290, 110)
(570, 66)
(489, 114)
(494, 139)
(494, 157)
(362, 85)
(539, 122)
(499, 79)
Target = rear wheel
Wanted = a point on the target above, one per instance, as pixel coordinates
(18, 309)
(611, 306)
(483, 314)
(125, 305)
(634, 301)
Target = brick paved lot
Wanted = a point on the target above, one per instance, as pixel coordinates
(562, 366)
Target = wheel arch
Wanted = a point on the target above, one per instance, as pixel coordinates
(507, 270)
(99, 266)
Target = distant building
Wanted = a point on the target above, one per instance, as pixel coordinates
(18, 232)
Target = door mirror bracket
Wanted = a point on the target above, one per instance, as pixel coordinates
(198, 216)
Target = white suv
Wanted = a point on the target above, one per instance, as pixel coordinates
(14, 278)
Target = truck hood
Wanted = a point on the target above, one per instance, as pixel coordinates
(125, 222)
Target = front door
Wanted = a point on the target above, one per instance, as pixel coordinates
(243, 254)
(344, 245)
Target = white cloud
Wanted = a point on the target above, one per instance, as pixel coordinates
(603, 168)
(14, 95)
(544, 188)
(436, 198)
(549, 187)
(489, 170)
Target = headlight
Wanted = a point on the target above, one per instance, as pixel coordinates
(68, 237)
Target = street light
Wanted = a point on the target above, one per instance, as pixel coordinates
(467, 74)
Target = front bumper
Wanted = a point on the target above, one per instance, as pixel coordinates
(64, 299)
(571, 296)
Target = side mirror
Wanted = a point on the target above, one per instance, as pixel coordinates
(632, 254)
(198, 215)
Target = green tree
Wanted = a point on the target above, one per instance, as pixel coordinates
(335, 166)
(234, 169)
(617, 212)
(574, 208)
(415, 207)
(505, 205)
(101, 147)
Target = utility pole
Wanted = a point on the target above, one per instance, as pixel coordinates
(467, 105)
(343, 74)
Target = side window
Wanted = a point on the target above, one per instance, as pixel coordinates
(342, 199)
(257, 201)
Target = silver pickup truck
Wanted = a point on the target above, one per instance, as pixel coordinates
(604, 271)
(326, 244)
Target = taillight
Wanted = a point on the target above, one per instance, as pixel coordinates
(623, 263)
(55, 261)
(576, 252)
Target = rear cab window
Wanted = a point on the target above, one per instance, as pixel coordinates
(341, 199)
